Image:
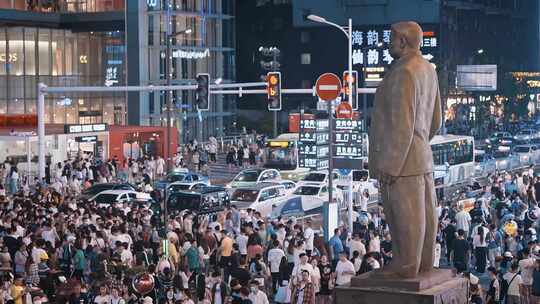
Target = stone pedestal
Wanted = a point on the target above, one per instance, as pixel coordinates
(439, 287)
(451, 292)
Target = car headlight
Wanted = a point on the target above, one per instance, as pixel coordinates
(228, 186)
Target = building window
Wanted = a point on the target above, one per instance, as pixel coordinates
(304, 37)
(305, 58)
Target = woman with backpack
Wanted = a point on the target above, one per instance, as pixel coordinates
(510, 286)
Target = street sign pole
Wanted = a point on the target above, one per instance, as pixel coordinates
(330, 171)
(328, 88)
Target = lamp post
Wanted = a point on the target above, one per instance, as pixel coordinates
(168, 96)
(168, 99)
(348, 33)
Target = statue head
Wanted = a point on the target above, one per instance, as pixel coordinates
(405, 38)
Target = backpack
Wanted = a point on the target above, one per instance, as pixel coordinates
(505, 285)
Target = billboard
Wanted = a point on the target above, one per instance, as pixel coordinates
(477, 77)
(370, 50)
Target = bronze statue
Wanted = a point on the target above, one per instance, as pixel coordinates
(406, 116)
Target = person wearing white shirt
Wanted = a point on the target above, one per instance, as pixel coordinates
(463, 220)
(356, 244)
(480, 247)
(49, 235)
(344, 270)
(37, 251)
(274, 258)
(514, 281)
(242, 241)
(256, 295)
(526, 267)
(374, 242)
(303, 265)
(103, 297)
(126, 256)
(309, 236)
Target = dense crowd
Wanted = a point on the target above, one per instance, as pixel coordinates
(494, 233)
(56, 248)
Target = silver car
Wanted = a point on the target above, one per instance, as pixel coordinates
(528, 154)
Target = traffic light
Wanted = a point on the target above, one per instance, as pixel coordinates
(273, 80)
(354, 80)
(203, 92)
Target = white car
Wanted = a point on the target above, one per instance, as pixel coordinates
(289, 185)
(261, 197)
(526, 135)
(528, 154)
(184, 186)
(117, 197)
(318, 190)
(361, 182)
(251, 177)
(317, 177)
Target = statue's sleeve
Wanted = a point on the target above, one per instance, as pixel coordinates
(403, 115)
(437, 115)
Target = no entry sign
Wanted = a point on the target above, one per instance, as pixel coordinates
(328, 86)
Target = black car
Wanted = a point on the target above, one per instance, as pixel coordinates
(207, 201)
(97, 188)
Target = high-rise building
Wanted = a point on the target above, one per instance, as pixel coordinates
(62, 43)
(455, 33)
(203, 41)
(112, 43)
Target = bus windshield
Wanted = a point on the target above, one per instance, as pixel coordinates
(281, 158)
(453, 152)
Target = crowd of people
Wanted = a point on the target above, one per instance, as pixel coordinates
(56, 248)
(493, 235)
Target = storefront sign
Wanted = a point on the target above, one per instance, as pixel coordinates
(70, 129)
(191, 54)
(11, 57)
(86, 139)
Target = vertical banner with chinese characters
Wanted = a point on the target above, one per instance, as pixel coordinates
(313, 149)
(371, 50)
(113, 59)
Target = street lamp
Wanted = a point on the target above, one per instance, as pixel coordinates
(168, 99)
(168, 76)
(480, 51)
(348, 33)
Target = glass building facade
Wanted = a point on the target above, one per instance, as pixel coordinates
(208, 48)
(57, 57)
(63, 6)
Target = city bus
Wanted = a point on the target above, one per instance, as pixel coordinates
(282, 154)
(453, 156)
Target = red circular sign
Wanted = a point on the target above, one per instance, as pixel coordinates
(344, 110)
(328, 86)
